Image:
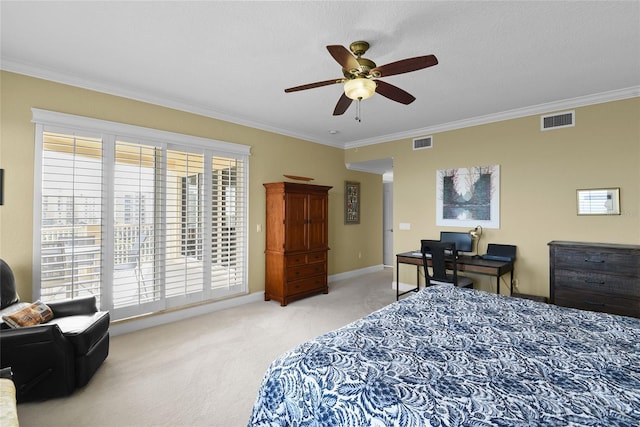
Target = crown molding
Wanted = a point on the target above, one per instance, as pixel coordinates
(44, 73)
(184, 105)
(581, 101)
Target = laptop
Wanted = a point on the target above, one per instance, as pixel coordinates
(496, 252)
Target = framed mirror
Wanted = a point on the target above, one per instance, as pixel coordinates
(598, 201)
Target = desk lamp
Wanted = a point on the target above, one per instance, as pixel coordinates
(476, 234)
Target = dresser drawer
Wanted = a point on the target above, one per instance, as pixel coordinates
(302, 271)
(624, 263)
(597, 301)
(594, 281)
(595, 276)
(313, 284)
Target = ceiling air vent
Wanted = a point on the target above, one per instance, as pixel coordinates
(558, 120)
(422, 142)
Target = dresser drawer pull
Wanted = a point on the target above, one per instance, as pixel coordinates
(597, 261)
(595, 282)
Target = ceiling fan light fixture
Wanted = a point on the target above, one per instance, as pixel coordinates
(359, 88)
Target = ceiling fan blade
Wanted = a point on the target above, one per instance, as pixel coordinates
(343, 57)
(343, 103)
(406, 65)
(313, 85)
(394, 93)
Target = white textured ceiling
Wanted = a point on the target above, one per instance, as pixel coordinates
(232, 60)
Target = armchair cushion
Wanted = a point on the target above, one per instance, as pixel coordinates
(83, 330)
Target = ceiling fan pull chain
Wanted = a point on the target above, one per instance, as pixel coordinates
(358, 118)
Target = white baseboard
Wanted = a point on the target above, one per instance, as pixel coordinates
(403, 286)
(132, 325)
(355, 273)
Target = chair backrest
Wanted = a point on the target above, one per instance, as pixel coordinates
(8, 294)
(440, 253)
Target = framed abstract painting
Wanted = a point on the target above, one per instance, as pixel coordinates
(468, 197)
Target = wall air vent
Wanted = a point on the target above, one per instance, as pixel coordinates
(558, 120)
(422, 142)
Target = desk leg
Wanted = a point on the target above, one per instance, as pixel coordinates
(498, 285)
(397, 279)
(416, 289)
(511, 282)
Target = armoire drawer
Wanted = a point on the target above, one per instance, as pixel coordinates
(307, 270)
(306, 258)
(311, 284)
(314, 257)
(297, 259)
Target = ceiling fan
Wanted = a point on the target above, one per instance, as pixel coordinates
(361, 76)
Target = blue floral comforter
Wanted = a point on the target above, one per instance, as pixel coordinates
(459, 357)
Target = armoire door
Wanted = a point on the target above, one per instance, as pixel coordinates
(318, 233)
(295, 222)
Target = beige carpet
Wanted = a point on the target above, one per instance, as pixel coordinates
(205, 371)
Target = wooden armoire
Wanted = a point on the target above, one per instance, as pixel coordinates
(297, 237)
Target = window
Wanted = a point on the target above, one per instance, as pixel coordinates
(144, 220)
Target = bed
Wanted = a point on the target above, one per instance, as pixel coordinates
(448, 356)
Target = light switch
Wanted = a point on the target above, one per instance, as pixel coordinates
(259, 228)
(405, 226)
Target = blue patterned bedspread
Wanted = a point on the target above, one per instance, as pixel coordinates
(459, 357)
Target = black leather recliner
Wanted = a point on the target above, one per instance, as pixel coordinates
(54, 358)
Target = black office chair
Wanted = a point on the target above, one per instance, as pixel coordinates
(441, 253)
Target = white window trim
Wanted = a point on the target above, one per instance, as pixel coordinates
(61, 122)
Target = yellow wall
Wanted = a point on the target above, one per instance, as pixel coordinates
(539, 173)
(272, 156)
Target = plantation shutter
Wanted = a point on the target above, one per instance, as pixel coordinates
(184, 225)
(228, 221)
(71, 227)
(136, 208)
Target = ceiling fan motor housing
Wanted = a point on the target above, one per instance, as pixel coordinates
(358, 48)
(366, 65)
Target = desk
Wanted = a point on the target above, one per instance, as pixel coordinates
(465, 263)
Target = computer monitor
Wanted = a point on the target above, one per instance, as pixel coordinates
(463, 241)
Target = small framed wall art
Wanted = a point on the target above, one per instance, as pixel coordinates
(351, 202)
(598, 201)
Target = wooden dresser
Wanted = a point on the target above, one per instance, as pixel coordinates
(297, 241)
(595, 276)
